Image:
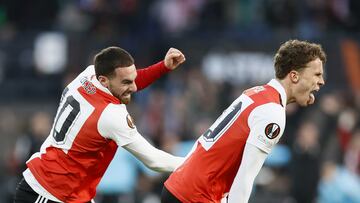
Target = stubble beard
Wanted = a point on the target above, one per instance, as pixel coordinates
(125, 100)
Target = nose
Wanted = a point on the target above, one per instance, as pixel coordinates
(321, 81)
(133, 87)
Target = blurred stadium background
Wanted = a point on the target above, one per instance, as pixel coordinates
(229, 47)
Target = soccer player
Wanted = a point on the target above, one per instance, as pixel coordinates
(91, 122)
(226, 159)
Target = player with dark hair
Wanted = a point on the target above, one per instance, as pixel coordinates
(90, 124)
(226, 159)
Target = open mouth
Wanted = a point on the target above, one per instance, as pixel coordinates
(314, 92)
(312, 96)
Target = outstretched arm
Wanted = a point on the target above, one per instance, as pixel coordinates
(116, 124)
(147, 76)
(153, 158)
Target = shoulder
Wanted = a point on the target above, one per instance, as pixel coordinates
(90, 70)
(116, 108)
(87, 73)
(263, 94)
(114, 112)
(267, 124)
(116, 116)
(268, 112)
(116, 123)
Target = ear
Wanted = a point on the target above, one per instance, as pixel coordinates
(104, 81)
(294, 76)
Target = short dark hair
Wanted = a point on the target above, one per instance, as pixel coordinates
(294, 55)
(108, 59)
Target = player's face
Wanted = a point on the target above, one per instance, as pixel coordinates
(310, 79)
(122, 85)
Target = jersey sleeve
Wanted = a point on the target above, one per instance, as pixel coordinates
(150, 74)
(252, 160)
(115, 123)
(266, 123)
(153, 158)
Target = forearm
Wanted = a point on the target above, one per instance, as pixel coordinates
(153, 158)
(163, 162)
(147, 76)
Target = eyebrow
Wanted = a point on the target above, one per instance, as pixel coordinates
(126, 81)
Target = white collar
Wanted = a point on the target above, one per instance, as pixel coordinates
(278, 86)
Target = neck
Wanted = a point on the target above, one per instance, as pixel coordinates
(287, 84)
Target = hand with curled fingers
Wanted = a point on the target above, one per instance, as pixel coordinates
(174, 58)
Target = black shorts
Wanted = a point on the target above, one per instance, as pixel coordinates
(25, 194)
(167, 197)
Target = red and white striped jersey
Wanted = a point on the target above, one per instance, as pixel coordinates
(89, 126)
(256, 117)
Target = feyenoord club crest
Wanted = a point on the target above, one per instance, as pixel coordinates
(88, 86)
(272, 130)
(130, 121)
